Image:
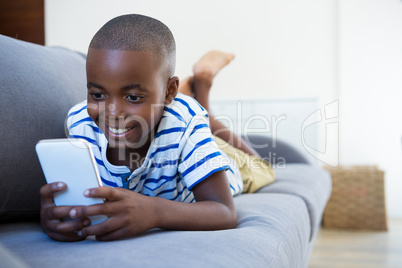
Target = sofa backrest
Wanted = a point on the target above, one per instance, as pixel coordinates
(38, 85)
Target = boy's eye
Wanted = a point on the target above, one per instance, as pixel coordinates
(97, 96)
(133, 98)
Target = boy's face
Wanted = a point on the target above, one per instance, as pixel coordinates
(127, 92)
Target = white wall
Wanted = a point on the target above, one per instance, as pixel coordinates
(283, 48)
(371, 90)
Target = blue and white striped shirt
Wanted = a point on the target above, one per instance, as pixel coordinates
(182, 154)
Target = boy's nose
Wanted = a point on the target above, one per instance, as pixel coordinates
(113, 109)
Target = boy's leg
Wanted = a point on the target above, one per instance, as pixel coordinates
(186, 86)
(200, 84)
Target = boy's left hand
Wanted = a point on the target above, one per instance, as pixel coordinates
(129, 213)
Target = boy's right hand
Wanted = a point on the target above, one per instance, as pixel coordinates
(51, 216)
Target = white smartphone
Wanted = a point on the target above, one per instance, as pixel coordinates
(71, 161)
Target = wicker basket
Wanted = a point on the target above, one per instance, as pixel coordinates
(357, 200)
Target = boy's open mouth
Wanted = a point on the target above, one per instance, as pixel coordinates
(119, 130)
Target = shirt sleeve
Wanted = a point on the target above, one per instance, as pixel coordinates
(200, 156)
(80, 126)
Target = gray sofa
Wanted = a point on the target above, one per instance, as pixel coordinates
(276, 226)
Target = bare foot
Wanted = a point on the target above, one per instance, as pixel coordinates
(186, 86)
(211, 63)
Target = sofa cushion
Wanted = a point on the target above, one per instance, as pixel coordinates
(37, 87)
(273, 231)
(311, 183)
(276, 151)
(9, 260)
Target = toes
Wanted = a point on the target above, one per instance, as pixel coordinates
(211, 63)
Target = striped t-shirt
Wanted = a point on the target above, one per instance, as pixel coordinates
(182, 153)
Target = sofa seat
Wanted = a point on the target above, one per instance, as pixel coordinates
(272, 228)
(301, 180)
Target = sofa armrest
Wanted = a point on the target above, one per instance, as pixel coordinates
(275, 149)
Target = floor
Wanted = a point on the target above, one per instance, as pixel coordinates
(358, 249)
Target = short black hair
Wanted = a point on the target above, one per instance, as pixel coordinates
(135, 32)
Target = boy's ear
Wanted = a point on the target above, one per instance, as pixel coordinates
(172, 89)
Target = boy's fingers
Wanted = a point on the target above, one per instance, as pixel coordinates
(72, 237)
(86, 211)
(48, 190)
(57, 212)
(58, 226)
(108, 193)
(107, 208)
(102, 229)
(72, 226)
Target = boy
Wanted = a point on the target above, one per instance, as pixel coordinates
(153, 145)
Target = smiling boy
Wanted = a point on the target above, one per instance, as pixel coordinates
(155, 151)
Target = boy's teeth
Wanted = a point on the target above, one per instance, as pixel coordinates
(118, 130)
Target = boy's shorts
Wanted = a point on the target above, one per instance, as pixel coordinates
(255, 171)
